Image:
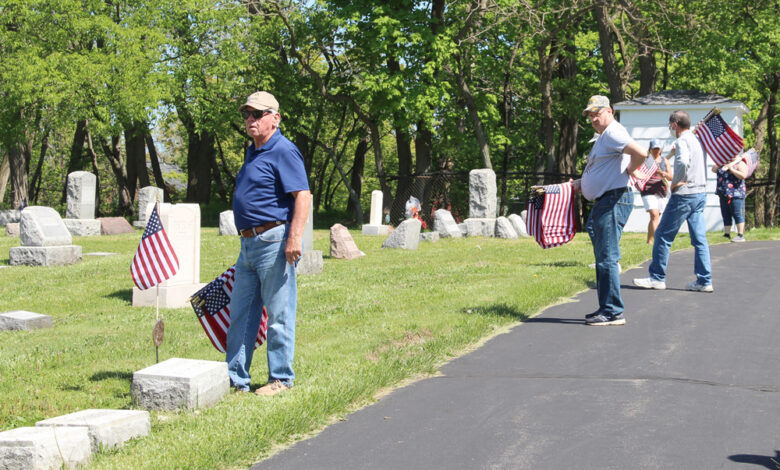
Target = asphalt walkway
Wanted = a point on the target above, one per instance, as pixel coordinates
(692, 381)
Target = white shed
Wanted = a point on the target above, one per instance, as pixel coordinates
(647, 117)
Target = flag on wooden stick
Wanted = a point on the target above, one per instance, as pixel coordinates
(645, 173)
(154, 260)
(550, 216)
(751, 158)
(718, 139)
(211, 305)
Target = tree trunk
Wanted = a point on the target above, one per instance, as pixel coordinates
(648, 72)
(376, 145)
(135, 151)
(611, 70)
(5, 174)
(546, 160)
(218, 177)
(35, 184)
(567, 144)
(76, 162)
(471, 105)
(16, 157)
(96, 171)
(114, 155)
(159, 181)
(356, 179)
(772, 175)
(200, 153)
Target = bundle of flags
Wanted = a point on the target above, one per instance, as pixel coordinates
(645, 173)
(211, 305)
(154, 260)
(751, 158)
(718, 139)
(550, 217)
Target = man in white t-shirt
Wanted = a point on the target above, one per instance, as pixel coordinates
(605, 181)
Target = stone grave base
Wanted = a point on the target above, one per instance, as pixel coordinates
(478, 227)
(310, 263)
(180, 383)
(12, 229)
(22, 320)
(44, 448)
(83, 227)
(107, 428)
(170, 296)
(375, 229)
(45, 255)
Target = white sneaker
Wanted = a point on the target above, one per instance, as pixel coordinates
(649, 283)
(695, 286)
(620, 268)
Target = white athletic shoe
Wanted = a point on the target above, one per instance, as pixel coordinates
(649, 283)
(695, 286)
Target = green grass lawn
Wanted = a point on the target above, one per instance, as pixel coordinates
(364, 326)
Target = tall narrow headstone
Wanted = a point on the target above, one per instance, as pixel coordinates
(45, 240)
(482, 203)
(374, 226)
(227, 223)
(147, 197)
(80, 214)
(311, 259)
(182, 225)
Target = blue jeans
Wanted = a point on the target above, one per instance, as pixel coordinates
(682, 208)
(605, 227)
(732, 209)
(263, 277)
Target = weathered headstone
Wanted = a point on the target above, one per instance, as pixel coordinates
(227, 223)
(12, 229)
(429, 237)
(519, 224)
(480, 227)
(445, 224)
(147, 197)
(182, 225)
(45, 240)
(405, 236)
(310, 262)
(482, 194)
(44, 448)
(342, 245)
(81, 195)
(83, 227)
(23, 320)
(115, 226)
(180, 383)
(504, 228)
(107, 429)
(374, 226)
(9, 215)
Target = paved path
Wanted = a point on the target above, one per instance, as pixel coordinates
(692, 381)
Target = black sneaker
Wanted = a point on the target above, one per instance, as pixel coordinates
(727, 235)
(591, 315)
(603, 319)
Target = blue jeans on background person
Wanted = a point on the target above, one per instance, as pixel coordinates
(682, 208)
(732, 209)
(263, 277)
(605, 227)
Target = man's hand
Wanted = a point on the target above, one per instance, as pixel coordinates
(293, 250)
(576, 184)
(294, 247)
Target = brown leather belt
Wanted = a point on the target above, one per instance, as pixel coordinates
(254, 231)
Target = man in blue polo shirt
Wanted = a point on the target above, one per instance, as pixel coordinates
(270, 205)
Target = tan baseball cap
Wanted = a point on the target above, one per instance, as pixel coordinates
(595, 103)
(261, 100)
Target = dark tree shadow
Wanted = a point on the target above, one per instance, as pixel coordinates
(123, 294)
(502, 310)
(108, 374)
(762, 460)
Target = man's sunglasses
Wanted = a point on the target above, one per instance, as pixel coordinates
(255, 113)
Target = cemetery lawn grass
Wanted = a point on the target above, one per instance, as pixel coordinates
(364, 326)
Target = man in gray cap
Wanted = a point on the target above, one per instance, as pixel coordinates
(270, 205)
(605, 181)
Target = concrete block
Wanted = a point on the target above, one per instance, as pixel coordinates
(83, 227)
(44, 448)
(180, 383)
(369, 229)
(23, 320)
(310, 263)
(44, 255)
(107, 428)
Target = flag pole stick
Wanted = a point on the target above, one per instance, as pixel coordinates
(157, 296)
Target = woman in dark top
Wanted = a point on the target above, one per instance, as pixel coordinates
(731, 191)
(656, 191)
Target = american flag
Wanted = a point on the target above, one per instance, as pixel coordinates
(645, 173)
(718, 139)
(751, 158)
(154, 260)
(550, 216)
(211, 305)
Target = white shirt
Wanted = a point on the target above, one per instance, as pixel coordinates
(606, 168)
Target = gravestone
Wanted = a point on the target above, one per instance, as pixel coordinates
(115, 226)
(107, 429)
(147, 197)
(374, 226)
(504, 228)
(482, 203)
(342, 246)
(180, 383)
(445, 224)
(519, 224)
(23, 320)
(45, 240)
(429, 237)
(227, 223)
(310, 262)
(406, 236)
(33, 448)
(480, 227)
(182, 225)
(80, 214)
(9, 215)
(12, 229)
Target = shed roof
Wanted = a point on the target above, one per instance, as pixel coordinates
(680, 98)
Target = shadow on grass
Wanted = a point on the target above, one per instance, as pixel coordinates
(562, 321)
(110, 374)
(760, 460)
(124, 294)
(561, 264)
(501, 310)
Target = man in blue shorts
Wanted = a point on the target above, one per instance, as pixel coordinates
(270, 205)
